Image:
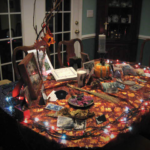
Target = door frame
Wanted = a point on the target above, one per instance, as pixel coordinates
(76, 15)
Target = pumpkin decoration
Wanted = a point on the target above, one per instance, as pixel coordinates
(101, 69)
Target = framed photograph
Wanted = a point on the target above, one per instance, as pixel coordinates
(63, 74)
(88, 66)
(30, 74)
(45, 63)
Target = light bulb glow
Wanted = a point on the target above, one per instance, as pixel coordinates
(146, 103)
(10, 108)
(106, 131)
(108, 126)
(52, 127)
(7, 99)
(63, 141)
(25, 120)
(63, 137)
(125, 119)
(142, 108)
(127, 109)
(112, 136)
(139, 64)
(46, 123)
(130, 128)
(107, 60)
(36, 119)
(141, 100)
(144, 68)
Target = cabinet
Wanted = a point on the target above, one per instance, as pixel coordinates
(119, 20)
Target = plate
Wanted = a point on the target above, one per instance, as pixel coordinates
(88, 101)
(115, 18)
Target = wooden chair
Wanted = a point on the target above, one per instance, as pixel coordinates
(19, 48)
(142, 50)
(69, 49)
(84, 57)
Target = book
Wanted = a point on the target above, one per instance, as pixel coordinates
(63, 74)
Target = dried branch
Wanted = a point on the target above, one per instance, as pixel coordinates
(46, 19)
(35, 27)
(100, 95)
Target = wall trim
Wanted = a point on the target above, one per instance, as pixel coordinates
(88, 36)
(143, 37)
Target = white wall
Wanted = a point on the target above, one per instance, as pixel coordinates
(27, 7)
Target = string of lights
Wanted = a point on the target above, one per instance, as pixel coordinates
(123, 118)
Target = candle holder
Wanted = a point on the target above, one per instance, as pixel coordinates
(102, 45)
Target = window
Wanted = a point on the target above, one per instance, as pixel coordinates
(10, 36)
(60, 26)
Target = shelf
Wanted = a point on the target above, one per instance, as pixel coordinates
(111, 23)
(119, 7)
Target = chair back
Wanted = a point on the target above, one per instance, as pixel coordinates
(69, 49)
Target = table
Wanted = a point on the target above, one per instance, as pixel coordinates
(122, 118)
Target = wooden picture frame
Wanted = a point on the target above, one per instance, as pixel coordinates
(88, 66)
(30, 74)
(48, 66)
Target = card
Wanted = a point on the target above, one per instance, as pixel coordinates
(100, 119)
(141, 80)
(53, 107)
(135, 87)
(79, 124)
(120, 85)
(117, 67)
(52, 96)
(65, 122)
(88, 66)
(110, 87)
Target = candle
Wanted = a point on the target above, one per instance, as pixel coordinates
(102, 43)
(81, 76)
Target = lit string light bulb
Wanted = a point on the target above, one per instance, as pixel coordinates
(63, 139)
(112, 136)
(36, 119)
(25, 120)
(130, 128)
(126, 109)
(10, 108)
(46, 123)
(141, 100)
(139, 64)
(146, 103)
(107, 60)
(7, 99)
(53, 128)
(106, 131)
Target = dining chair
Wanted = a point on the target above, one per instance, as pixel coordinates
(25, 49)
(70, 50)
(142, 51)
(84, 57)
